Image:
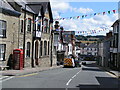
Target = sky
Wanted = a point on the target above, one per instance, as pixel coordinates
(90, 25)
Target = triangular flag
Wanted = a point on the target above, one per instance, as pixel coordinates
(109, 12)
(94, 14)
(103, 13)
(114, 11)
(98, 13)
(78, 17)
(82, 16)
(74, 17)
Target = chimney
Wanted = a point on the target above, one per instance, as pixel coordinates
(108, 35)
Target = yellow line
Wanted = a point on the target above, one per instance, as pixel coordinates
(111, 75)
(28, 75)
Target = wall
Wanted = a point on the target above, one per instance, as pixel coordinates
(11, 39)
(28, 38)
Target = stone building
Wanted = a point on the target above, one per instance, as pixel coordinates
(9, 35)
(104, 50)
(35, 38)
(43, 53)
(25, 30)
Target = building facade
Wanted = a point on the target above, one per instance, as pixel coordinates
(29, 28)
(115, 46)
(9, 33)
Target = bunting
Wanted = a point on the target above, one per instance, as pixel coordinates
(92, 31)
(84, 16)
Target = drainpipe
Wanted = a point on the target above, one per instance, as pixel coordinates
(24, 38)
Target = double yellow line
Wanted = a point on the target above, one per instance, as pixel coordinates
(28, 75)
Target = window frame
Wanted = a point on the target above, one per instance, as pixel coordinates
(45, 48)
(29, 29)
(3, 30)
(28, 49)
(22, 26)
(4, 52)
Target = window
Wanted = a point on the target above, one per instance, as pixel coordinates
(45, 25)
(41, 48)
(2, 51)
(48, 48)
(22, 24)
(2, 28)
(29, 25)
(45, 48)
(68, 48)
(115, 40)
(28, 50)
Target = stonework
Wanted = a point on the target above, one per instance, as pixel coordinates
(11, 39)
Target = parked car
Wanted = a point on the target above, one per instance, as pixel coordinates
(83, 63)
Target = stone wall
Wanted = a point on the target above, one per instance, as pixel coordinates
(11, 39)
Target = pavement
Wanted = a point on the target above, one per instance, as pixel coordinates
(27, 71)
(116, 73)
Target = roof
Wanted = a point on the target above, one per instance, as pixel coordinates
(5, 4)
(115, 22)
(22, 4)
(36, 7)
(82, 45)
(5, 8)
(93, 45)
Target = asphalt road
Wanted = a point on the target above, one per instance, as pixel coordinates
(88, 76)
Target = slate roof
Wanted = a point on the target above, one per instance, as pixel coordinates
(93, 45)
(5, 8)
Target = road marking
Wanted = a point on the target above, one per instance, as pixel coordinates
(111, 75)
(73, 78)
(28, 75)
(69, 82)
(7, 79)
(2, 77)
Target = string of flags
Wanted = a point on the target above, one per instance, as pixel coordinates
(91, 31)
(83, 16)
(88, 32)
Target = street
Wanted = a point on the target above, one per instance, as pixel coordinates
(88, 76)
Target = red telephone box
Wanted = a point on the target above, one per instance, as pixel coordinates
(18, 59)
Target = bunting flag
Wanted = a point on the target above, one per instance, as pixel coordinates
(94, 14)
(103, 13)
(109, 12)
(83, 16)
(78, 17)
(98, 13)
(91, 31)
(114, 11)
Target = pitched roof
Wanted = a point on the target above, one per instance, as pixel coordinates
(93, 45)
(7, 9)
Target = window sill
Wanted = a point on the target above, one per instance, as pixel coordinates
(29, 32)
(3, 37)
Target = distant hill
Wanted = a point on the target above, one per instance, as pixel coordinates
(89, 38)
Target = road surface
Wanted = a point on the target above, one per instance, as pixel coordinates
(88, 76)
